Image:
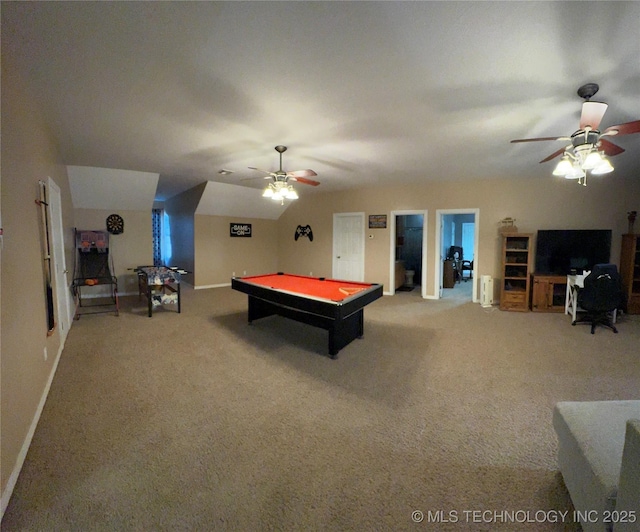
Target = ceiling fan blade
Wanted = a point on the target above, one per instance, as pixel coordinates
(609, 148)
(261, 170)
(627, 128)
(541, 138)
(302, 173)
(592, 113)
(305, 181)
(259, 177)
(553, 155)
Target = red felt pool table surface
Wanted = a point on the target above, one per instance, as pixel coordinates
(331, 289)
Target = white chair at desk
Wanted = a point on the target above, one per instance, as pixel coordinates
(574, 283)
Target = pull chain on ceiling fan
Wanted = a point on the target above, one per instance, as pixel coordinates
(588, 150)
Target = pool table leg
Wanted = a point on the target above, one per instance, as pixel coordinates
(343, 332)
(259, 309)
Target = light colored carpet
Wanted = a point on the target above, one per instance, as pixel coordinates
(199, 421)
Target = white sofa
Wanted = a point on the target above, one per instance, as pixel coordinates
(599, 458)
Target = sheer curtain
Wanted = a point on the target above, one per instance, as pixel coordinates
(161, 237)
(165, 242)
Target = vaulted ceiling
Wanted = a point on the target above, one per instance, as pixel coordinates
(364, 93)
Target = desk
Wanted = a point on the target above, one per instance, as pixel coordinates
(334, 305)
(448, 274)
(574, 283)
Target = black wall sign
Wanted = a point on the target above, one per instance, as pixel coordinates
(240, 230)
(377, 221)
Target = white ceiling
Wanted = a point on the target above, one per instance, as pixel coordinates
(363, 93)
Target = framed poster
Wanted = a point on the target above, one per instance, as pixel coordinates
(377, 221)
(243, 230)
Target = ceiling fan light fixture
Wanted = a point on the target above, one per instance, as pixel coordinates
(604, 167)
(592, 160)
(279, 188)
(563, 167)
(291, 194)
(575, 173)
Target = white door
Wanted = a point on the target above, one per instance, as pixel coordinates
(63, 294)
(348, 246)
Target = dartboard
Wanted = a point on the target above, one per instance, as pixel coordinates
(115, 224)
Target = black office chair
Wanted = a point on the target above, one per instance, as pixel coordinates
(603, 293)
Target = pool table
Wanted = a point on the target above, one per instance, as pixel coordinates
(334, 305)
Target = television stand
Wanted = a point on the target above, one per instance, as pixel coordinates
(549, 292)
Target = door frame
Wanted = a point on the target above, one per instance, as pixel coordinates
(392, 249)
(440, 213)
(334, 262)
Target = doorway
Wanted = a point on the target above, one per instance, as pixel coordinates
(457, 227)
(408, 234)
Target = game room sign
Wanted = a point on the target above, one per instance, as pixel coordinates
(240, 230)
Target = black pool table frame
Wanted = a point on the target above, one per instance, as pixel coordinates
(343, 319)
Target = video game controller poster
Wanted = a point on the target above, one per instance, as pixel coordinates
(303, 231)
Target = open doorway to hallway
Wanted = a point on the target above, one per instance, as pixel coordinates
(408, 251)
(457, 253)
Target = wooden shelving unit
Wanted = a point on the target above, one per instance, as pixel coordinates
(516, 271)
(630, 271)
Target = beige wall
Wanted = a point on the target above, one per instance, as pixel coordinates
(132, 248)
(545, 203)
(218, 256)
(28, 156)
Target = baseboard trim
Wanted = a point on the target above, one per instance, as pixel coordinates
(201, 287)
(22, 455)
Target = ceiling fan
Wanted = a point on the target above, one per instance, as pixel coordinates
(280, 176)
(587, 144)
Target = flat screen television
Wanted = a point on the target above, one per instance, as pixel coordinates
(561, 252)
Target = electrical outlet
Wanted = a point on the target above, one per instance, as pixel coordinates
(310, 274)
(45, 352)
(244, 272)
(233, 274)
